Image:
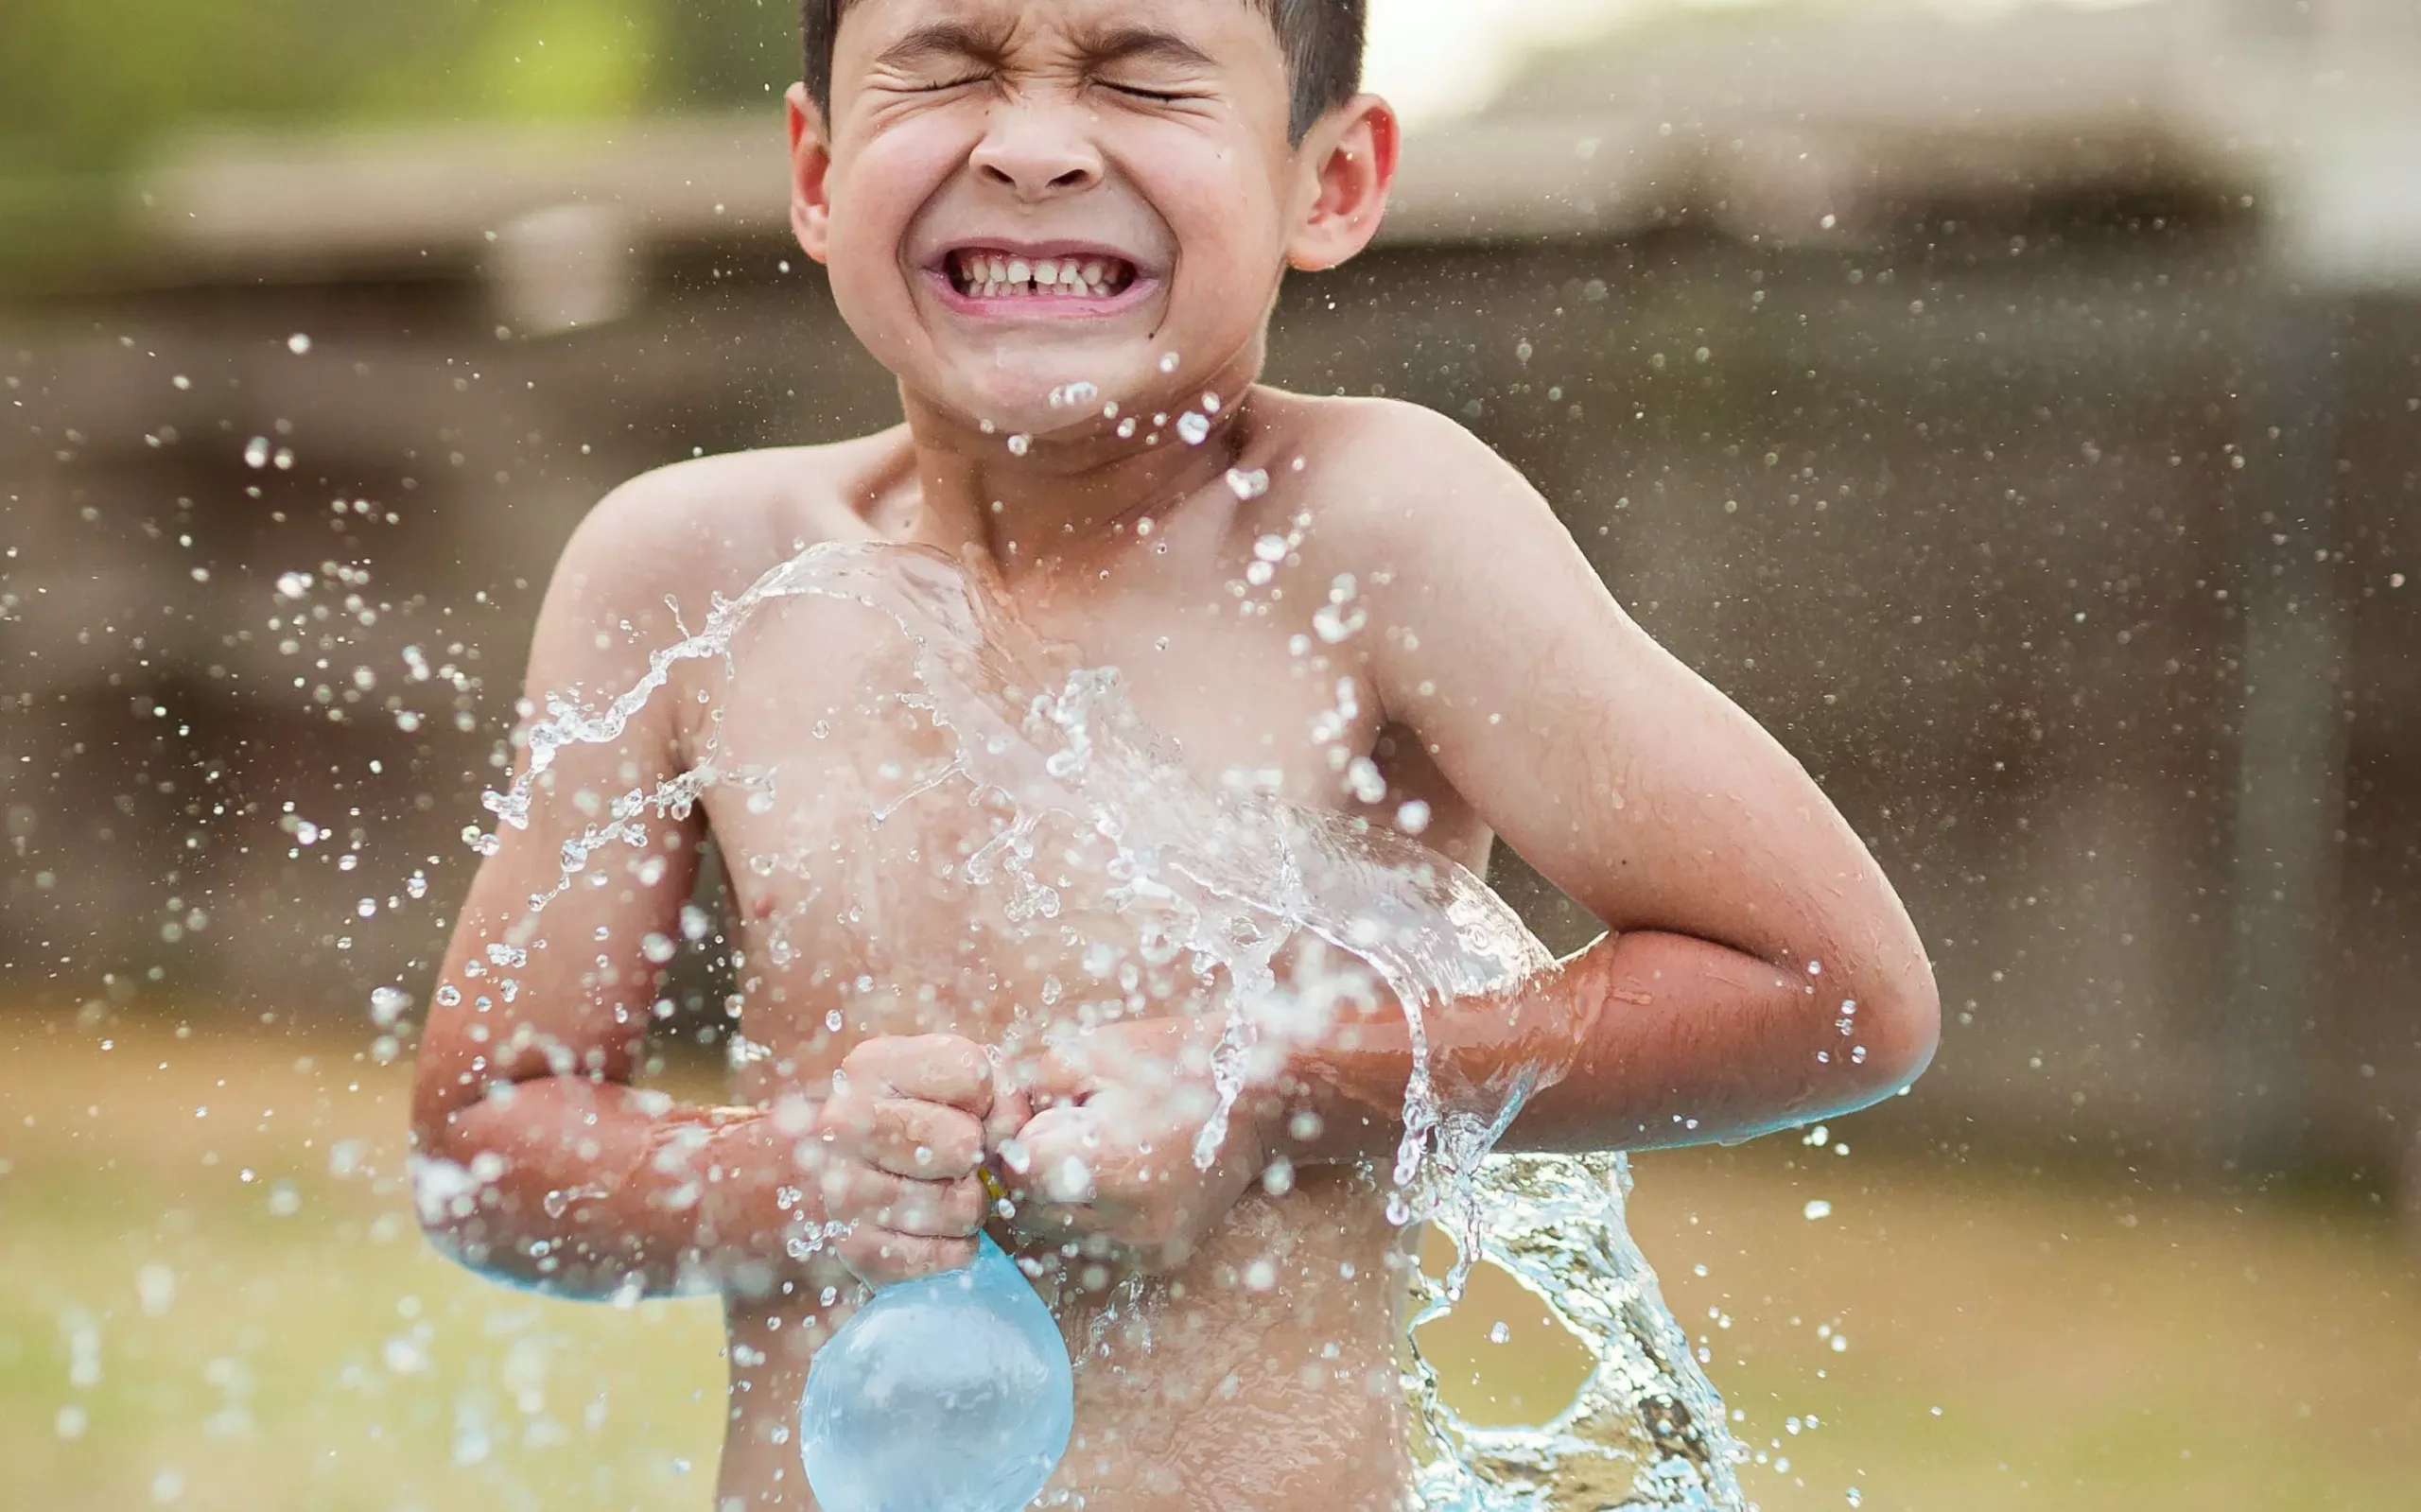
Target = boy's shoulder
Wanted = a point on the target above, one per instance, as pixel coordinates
(1350, 429)
(1386, 465)
(713, 524)
(739, 505)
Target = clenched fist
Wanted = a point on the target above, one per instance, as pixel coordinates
(899, 1146)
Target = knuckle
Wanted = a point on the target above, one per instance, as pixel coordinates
(950, 1254)
(957, 1070)
(956, 1141)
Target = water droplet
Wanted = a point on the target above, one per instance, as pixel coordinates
(1168, 362)
(1336, 624)
(386, 1004)
(1413, 817)
(257, 452)
(298, 343)
(1071, 1180)
(1362, 780)
(1193, 427)
(1499, 1334)
(1247, 485)
(1817, 1208)
(155, 1286)
(1019, 445)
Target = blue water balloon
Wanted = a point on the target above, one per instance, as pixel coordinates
(948, 1394)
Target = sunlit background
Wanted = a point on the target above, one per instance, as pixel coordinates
(2017, 406)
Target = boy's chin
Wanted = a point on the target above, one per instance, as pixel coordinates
(1045, 400)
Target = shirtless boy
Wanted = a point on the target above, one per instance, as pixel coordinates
(1012, 197)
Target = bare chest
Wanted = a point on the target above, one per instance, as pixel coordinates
(932, 827)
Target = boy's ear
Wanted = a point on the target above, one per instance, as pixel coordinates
(810, 161)
(1351, 158)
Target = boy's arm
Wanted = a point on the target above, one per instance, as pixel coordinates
(1747, 918)
(535, 1156)
(1761, 971)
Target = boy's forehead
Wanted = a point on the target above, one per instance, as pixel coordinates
(1223, 31)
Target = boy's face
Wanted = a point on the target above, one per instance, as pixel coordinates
(1016, 195)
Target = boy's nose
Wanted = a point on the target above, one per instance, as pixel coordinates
(1036, 154)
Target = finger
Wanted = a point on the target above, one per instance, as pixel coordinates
(926, 1142)
(1011, 1108)
(945, 1068)
(1057, 1156)
(1051, 1223)
(1054, 1077)
(881, 1257)
(935, 1210)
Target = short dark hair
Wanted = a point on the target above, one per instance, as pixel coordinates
(1322, 38)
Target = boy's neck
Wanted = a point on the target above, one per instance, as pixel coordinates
(1056, 502)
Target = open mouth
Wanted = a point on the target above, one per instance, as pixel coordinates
(979, 272)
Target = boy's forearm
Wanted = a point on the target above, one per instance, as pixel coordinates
(1643, 1040)
(593, 1187)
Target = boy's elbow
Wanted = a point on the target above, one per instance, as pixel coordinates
(1897, 1031)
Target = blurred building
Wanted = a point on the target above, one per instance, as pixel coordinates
(2016, 413)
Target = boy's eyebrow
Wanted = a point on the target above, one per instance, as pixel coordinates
(1124, 43)
(943, 39)
(959, 39)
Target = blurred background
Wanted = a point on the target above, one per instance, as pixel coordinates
(2016, 406)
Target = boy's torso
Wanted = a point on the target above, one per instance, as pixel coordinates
(1263, 1371)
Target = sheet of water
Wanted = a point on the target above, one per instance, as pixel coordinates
(1282, 915)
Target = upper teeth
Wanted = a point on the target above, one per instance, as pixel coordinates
(997, 275)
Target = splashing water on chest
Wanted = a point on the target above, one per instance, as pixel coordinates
(1282, 917)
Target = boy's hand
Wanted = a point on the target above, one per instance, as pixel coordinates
(903, 1138)
(1109, 1154)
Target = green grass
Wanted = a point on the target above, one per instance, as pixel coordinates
(2086, 1350)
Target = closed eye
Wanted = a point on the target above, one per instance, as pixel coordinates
(1137, 91)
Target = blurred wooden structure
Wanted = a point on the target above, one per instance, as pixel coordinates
(2020, 414)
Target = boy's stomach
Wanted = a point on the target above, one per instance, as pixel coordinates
(1261, 1373)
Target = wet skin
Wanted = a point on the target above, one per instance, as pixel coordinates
(1212, 1379)
(1140, 148)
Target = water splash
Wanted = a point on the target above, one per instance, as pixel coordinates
(1279, 918)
